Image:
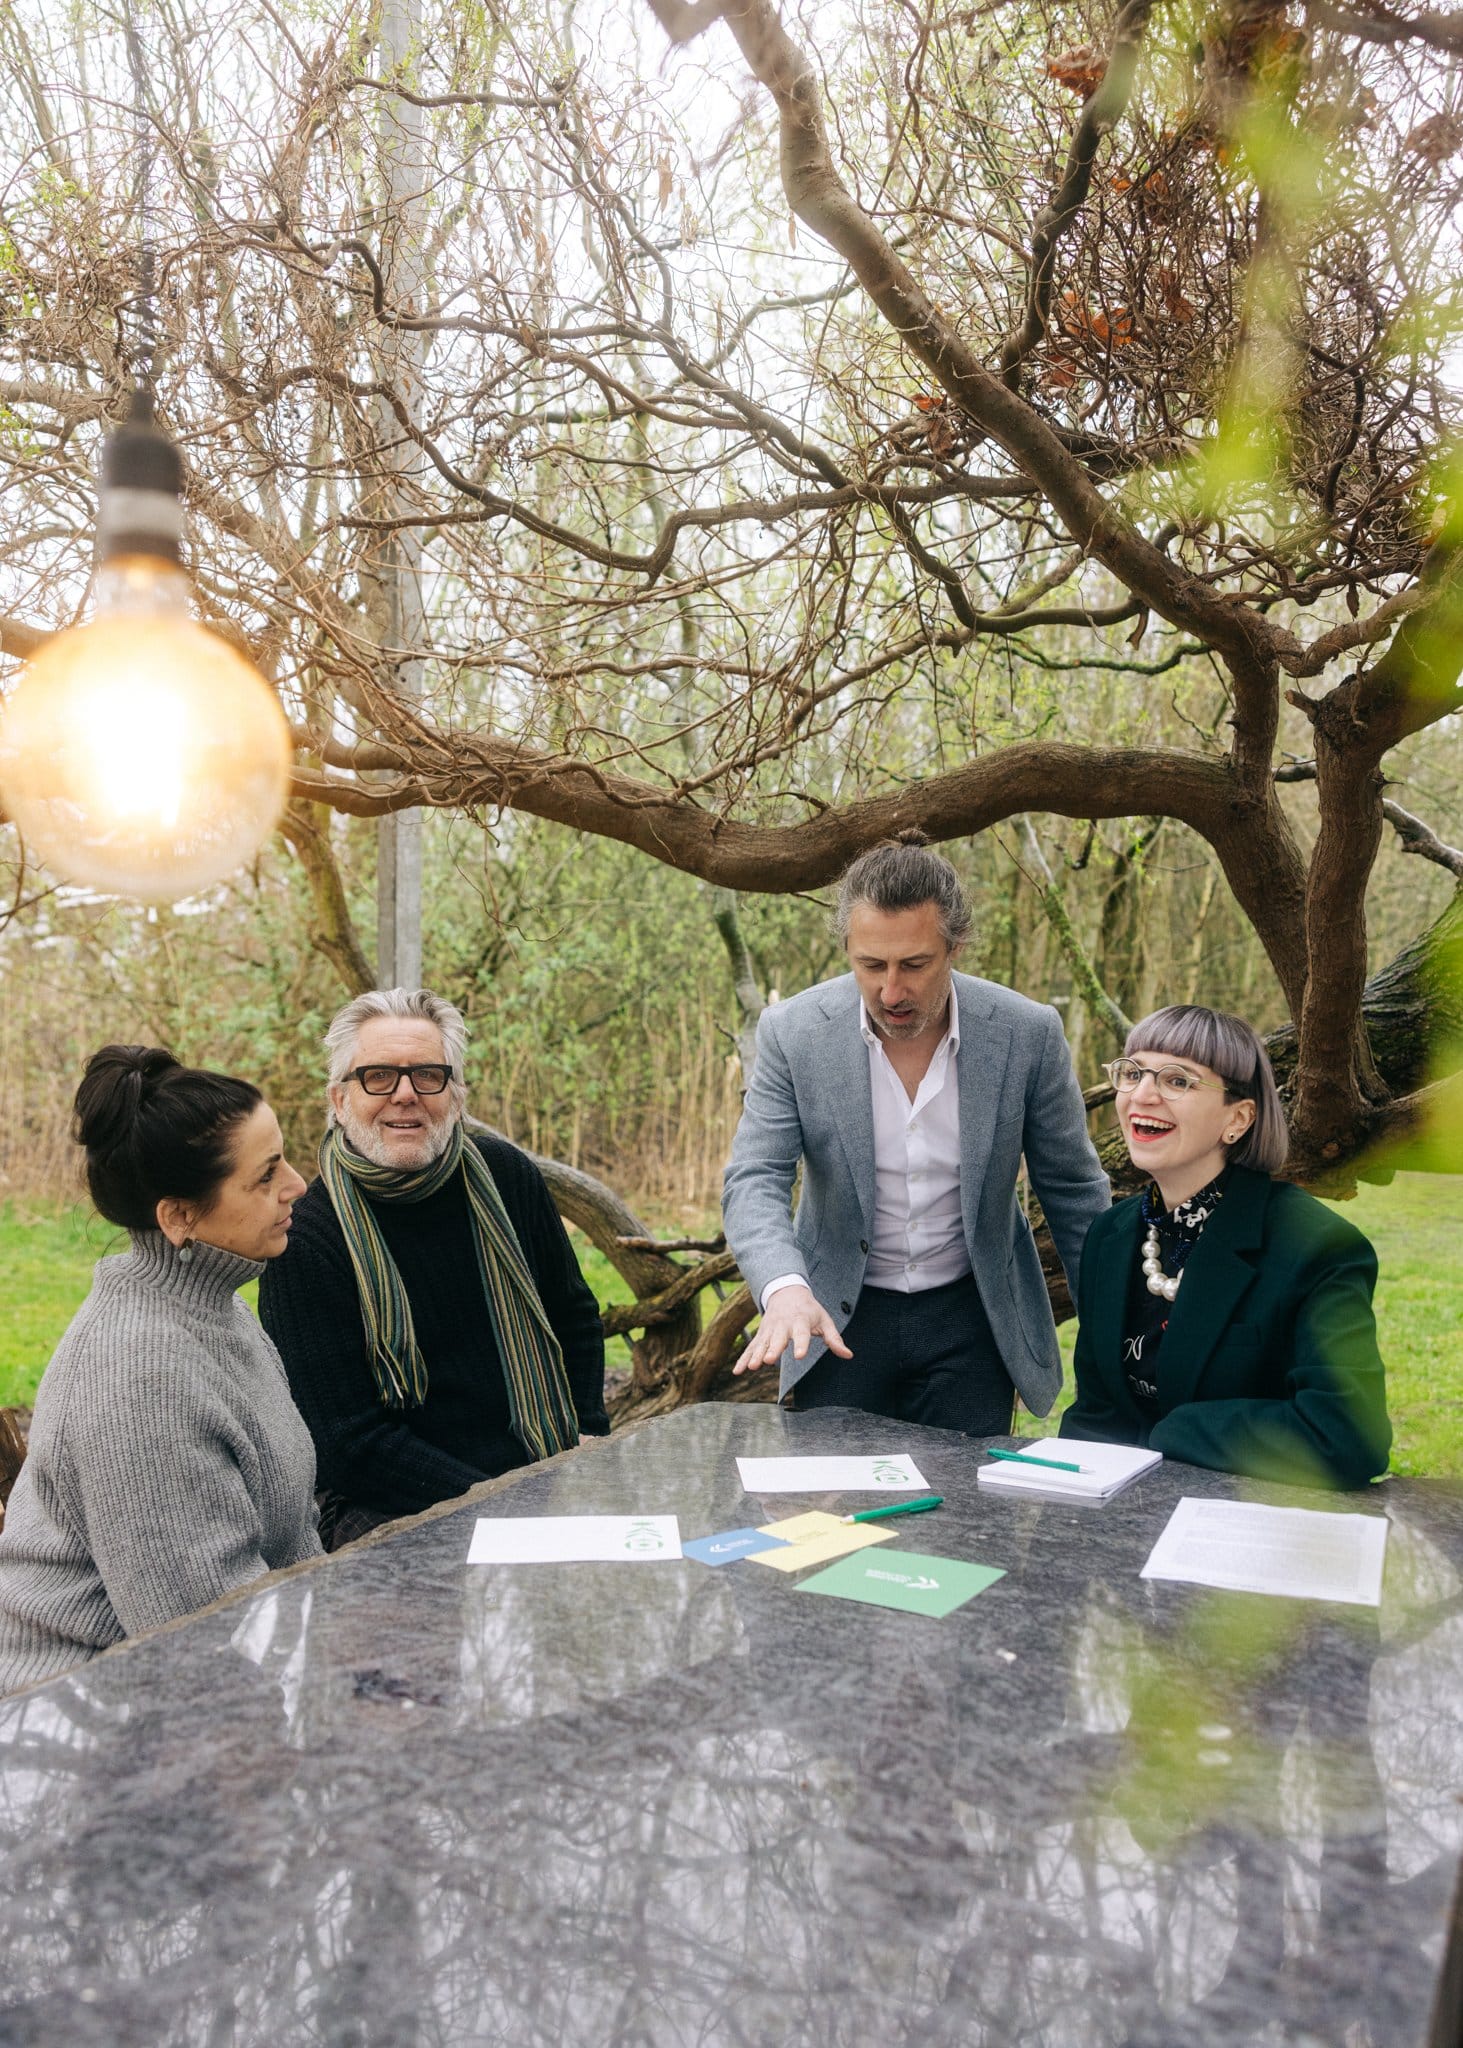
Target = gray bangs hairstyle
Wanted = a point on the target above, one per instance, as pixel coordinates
(903, 875)
(1231, 1049)
(345, 1029)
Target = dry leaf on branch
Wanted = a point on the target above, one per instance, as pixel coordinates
(1435, 139)
(941, 436)
(1175, 304)
(1071, 314)
(1081, 70)
(1154, 193)
(1113, 329)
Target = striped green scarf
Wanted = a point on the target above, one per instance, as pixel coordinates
(539, 1399)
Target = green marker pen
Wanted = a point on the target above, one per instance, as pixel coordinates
(1021, 1458)
(898, 1507)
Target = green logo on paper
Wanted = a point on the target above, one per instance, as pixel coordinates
(644, 1536)
(886, 1473)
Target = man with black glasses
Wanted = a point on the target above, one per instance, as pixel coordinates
(429, 1311)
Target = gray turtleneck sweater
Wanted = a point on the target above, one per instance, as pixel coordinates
(167, 1463)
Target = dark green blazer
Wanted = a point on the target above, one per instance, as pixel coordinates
(1269, 1365)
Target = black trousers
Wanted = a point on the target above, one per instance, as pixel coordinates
(919, 1357)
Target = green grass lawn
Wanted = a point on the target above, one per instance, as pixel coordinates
(46, 1261)
(46, 1257)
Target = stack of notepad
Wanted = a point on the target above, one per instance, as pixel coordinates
(1101, 1470)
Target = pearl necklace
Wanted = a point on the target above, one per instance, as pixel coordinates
(1157, 1280)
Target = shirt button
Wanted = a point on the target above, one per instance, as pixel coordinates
(863, 1244)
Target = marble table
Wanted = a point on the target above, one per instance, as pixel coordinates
(395, 1799)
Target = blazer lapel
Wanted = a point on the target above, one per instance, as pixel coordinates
(985, 1050)
(848, 1074)
(1216, 1277)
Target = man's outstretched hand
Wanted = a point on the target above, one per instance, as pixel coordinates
(793, 1316)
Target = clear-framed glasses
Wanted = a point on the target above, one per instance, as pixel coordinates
(1172, 1081)
(425, 1080)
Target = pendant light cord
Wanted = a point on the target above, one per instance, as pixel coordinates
(143, 143)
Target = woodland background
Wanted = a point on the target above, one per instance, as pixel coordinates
(602, 1010)
(665, 448)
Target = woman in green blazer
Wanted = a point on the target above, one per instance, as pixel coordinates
(1225, 1317)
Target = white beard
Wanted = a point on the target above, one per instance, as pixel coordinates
(370, 1143)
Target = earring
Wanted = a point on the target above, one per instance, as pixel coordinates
(185, 1252)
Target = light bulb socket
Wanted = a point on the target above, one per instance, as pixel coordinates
(140, 508)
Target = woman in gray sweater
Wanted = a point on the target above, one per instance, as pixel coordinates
(167, 1462)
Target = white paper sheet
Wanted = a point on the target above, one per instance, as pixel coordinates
(895, 1474)
(574, 1539)
(1246, 1548)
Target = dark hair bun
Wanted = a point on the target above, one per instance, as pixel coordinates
(153, 1129)
(912, 835)
(112, 1089)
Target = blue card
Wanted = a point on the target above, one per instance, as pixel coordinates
(730, 1545)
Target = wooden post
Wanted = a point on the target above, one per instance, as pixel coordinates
(399, 563)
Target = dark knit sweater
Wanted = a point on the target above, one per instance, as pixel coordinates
(399, 1460)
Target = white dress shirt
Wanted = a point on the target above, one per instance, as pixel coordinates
(918, 1239)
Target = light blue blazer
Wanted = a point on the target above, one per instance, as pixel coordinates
(810, 1101)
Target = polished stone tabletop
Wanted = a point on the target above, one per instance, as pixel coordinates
(396, 1799)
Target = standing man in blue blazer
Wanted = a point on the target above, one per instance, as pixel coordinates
(908, 1283)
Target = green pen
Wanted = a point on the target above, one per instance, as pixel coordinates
(898, 1507)
(1021, 1458)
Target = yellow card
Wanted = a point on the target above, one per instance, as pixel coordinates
(814, 1539)
(797, 1528)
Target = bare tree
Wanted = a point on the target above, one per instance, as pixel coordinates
(777, 421)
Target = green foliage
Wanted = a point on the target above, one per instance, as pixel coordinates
(593, 981)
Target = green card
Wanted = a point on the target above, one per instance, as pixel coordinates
(904, 1579)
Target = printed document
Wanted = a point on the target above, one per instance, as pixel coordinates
(1246, 1548)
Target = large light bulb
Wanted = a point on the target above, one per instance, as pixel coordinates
(140, 754)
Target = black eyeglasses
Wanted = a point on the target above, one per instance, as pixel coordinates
(430, 1080)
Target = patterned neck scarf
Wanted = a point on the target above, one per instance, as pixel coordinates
(1179, 1230)
(539, 1400)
